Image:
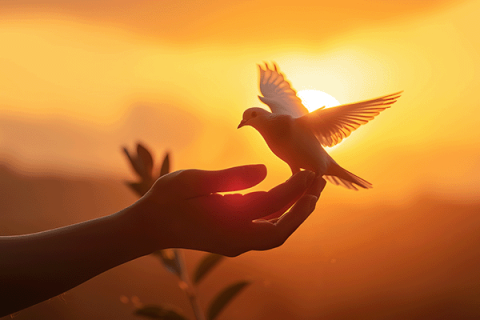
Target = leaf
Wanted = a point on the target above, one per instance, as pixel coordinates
(169, 258)
(224, 297)
(133, 160)
(139, 187)
(146, 159)
(157, 312)
(206, 265)
(165, 165)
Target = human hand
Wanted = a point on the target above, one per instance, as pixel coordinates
(184, 210)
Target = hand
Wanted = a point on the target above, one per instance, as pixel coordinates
(184, 210)
(181, 210)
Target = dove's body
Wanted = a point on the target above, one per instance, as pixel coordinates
(296, 145)
(296, 136)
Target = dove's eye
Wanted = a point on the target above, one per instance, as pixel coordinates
(254, 114)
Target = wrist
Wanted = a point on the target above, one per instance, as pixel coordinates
(141, 224)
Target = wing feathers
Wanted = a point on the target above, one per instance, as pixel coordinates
(278, 94)
(339, 176)
(332, 125)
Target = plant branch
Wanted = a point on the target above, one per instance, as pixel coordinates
(188, 287)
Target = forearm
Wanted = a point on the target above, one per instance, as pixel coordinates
(39, 266)
(181, 210)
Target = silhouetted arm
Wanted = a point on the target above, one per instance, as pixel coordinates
(181, 210)
(39, 266)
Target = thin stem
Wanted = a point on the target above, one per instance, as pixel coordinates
(190, 290)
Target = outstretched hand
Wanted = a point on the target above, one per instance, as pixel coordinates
(183, 209)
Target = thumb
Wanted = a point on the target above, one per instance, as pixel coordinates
(194, 183)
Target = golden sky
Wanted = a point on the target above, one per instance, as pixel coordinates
(80, 79)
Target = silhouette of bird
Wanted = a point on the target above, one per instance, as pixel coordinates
(297, 136)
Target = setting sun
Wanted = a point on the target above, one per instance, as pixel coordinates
(314, 99)
(82, 80)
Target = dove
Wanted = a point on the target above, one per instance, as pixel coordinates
(298, 137)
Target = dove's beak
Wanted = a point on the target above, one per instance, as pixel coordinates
(242, 124)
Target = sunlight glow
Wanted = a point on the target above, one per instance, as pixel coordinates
(314, 99)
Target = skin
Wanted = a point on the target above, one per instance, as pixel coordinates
(181, 210)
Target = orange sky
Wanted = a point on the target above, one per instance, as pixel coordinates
(80, 79)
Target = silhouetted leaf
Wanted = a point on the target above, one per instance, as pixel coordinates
(146, 160)
(157, 312)
(170, 260)
(165, 168)
(140, 188)
(224, 297)
(132, 160)
(206, 264)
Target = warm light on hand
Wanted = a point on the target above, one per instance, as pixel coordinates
(184, 210)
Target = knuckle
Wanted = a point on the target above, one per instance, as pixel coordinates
(279, 241)
(234, 253)
(234, 249)
(270, 242)
(180, 175)
(174, 182)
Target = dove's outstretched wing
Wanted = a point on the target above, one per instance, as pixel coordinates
(332, 125)
(278, 94)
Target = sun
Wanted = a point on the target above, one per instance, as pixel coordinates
(314, 99)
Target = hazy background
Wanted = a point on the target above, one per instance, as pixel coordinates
(80, 79)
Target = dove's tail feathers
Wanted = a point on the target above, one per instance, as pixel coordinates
(341, 177)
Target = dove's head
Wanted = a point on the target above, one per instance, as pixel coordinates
(253, 117)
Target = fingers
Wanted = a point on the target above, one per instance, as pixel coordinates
(279, 199)
(317, 186)
(194, 183)
(270, 235)
(290, 221)
(267, 235)
(315, 189)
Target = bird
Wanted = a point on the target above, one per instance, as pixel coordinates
(297, 136)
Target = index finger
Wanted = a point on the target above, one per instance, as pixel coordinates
(194, 183)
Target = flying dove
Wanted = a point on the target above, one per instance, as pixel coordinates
(297, 136)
